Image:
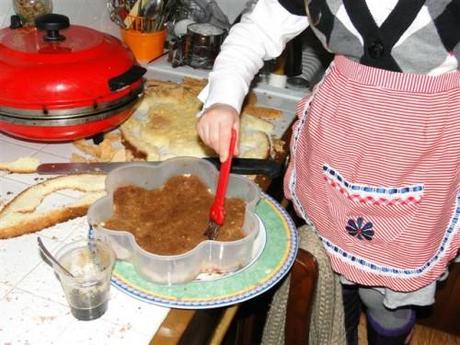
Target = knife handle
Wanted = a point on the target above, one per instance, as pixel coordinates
(252, 166)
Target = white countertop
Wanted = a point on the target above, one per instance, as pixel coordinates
(33, 309)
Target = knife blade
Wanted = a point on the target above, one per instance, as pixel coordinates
(242, 166)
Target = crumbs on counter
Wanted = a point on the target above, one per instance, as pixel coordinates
(125, 327)
(44, 319)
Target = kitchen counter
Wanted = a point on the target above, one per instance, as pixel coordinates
(32, 303)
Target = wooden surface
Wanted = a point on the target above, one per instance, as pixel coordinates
(422, 335)
(189, 327)
(304, 275)
(173, 327)
(444, 315)
(224, 324)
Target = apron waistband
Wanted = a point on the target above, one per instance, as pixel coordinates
(410, 82)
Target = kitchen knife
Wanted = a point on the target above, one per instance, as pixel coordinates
(243, 166)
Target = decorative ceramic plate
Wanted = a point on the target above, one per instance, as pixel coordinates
(273, 257)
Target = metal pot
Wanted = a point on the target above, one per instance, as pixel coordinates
(199, 46)
(64, 82)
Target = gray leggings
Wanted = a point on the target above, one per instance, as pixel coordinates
(385, 325)
(386, 321)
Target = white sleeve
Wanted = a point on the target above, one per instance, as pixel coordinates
(261, 35)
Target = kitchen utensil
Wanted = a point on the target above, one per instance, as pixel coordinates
(150, 16)
(93, 250)
(151, 8)
(217, 213)
(87, 292)
(70, 82)
(244, 166)
(133, 8)
(49, 256)
(200, 46)
(117, 11)
(165, 12)
(140, 12)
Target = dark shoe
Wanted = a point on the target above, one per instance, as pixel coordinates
(374, 338)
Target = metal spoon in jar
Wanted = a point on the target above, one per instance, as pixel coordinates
(48, 254)
(92, 247)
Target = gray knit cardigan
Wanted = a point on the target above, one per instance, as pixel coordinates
(327, 319)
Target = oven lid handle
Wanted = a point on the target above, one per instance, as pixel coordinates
(129, 77)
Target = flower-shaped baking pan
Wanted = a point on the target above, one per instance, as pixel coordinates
(207, 256)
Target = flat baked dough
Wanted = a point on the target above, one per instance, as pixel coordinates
(23, 215)
(163, 125)
(21, 165)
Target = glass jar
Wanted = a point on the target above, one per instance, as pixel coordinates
(28, 10)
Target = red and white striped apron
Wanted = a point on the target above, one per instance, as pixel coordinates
(375, 165)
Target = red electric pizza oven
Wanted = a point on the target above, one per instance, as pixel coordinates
(61, 82)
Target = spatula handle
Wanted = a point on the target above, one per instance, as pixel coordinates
(217, 208)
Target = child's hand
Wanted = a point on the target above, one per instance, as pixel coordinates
(215, 125)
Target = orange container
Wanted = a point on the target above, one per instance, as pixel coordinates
(145, 46)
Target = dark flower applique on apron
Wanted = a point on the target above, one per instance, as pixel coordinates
(360, 229)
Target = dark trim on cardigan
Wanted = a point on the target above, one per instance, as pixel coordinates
(296, 7)
(448, 25)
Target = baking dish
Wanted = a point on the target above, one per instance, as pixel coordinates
(208, 256)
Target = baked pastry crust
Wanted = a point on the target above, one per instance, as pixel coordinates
(21, 165)
(163, 125)
(22, 214)
(262, 112)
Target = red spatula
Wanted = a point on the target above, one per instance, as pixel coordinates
(217, 214)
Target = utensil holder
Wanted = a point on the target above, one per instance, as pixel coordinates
(146, 46)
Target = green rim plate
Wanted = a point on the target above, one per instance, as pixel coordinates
(266, 270)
